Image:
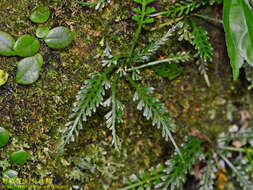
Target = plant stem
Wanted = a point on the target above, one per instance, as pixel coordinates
(114, 85)
(137, 34)
(234, 169)
(209, 18)
(248, 150)
(151, 64)
(143, 182)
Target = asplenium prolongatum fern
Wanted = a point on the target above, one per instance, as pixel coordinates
(174, 174)
(93, 94)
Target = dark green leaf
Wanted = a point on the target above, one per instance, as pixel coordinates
(6, 44)
(150, 10)
(40, 15)
(170, 71)
(238, 25)
(4, 137)
(59, 37)
(26, 46)
(148, 20)
(29, 69)
(136, 18)
(137, 10)
(42, 32)
(3, 77)
(19, 157)
(138, 1)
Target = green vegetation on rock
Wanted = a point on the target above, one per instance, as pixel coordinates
(29, 69)
(4, 136)
(6, 44)
(26, 46)
(40, 15)
(19, 157)
(42, 31)
(59, 37)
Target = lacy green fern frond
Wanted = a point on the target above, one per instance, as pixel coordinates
(207, 178)
(203, 68)
(141, 17)
(240, 175)
(177, 170)
(145, 54)
(90, 96)
(201, 43)
(96, 4)
(114, 116)
(142, 14)
(174, 174)
(154, 110)
(183, 8)
(241, 165)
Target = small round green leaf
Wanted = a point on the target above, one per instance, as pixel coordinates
(29, 69)
(19, 157)
(3, 77)
(6, 44)
(59, 37)
(42, 31)
(4, 136)
(9, 179)
(40, 15)
(26, 46)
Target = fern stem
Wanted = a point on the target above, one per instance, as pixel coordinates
(172, 58)
(137, 34)
(248, 150)
(144, 182)
(232, 167)
(151, 64)
(114, 85)
(209, 18)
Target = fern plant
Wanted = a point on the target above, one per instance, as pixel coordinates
(118, 67)
(203, 153)
(173, 175)
(191, 32)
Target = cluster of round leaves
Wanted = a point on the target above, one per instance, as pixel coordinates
(18, 158)
(28, 69)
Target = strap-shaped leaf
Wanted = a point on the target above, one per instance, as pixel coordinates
(237, 18)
